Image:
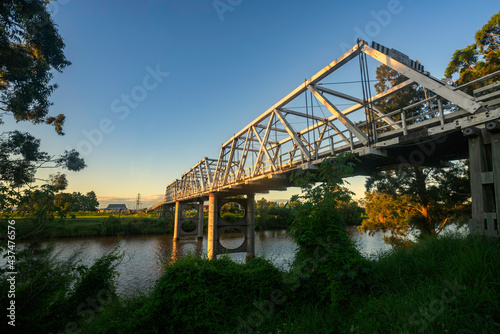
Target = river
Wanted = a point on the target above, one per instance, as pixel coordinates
(145, 256)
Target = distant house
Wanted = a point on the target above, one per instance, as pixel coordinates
(115, 208)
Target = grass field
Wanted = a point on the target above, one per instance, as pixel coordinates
(85, 224)
(89, 224)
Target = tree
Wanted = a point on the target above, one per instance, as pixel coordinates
(319, 228)
(30, 50)
(408, 200)
(416, 200)
(480, 58)
(58, 181)
(63, 203)
(91, 202)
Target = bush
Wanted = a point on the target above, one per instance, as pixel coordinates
(442, 284)
(199, 296)
(319, 226)
(51, 294)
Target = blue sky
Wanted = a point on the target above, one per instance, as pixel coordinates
(155, 86)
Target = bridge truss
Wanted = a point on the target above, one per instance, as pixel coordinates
(284, 138)
(273, 145)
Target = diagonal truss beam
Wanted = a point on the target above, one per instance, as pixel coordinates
(263, 146)
(244, 155)
(339, 115)
(229, 161)
(320, 120)
(461, 99)
(336, 64)
(296, 140)
(385, 118)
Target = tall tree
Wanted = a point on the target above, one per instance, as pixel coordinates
(480, 58)
(30, 50)
(319, 227)
(58, 181)
(91, 201)
(416, 200)
(409, 199)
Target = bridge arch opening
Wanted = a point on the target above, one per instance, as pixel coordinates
(232, 238)
(190, 211)
(232, 212)
(189, 226)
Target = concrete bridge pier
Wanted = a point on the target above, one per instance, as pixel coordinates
(217, 226)
(250, 233)
(180, 219)
(200, 219)
(484, 156)
(177, 219)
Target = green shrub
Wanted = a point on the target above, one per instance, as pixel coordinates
(51, 295)
(442, 284)
(199, 296)
(327, 265)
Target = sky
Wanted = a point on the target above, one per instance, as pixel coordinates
(156, 86)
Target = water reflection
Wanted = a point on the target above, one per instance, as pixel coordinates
(145, 256)
(369, 246)
(181, 247)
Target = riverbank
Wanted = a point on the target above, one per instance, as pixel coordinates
(447, 284)
(90, 225)
(104, 224)
(441, 285)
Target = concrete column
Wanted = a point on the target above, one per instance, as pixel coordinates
(250, 217)
(495, 155)
(175, 250)
(178, 213)
(476, 187)
(484, 156)
(200, 220)
(213, 218)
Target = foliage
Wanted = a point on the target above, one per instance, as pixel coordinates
(351, 212)
(319, 227)
(200, 296)
(40, 205)
(50, 293)
(416, 201)
(444, 284)
(388, 78)
(66, 202)
(116, 226)
(269, 214)
(58, 181)
(413, 199)
(232, 212)
(480, 58)
(30, 50)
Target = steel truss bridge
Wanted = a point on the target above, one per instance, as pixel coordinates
(450, 124)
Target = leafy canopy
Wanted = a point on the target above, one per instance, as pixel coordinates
(416, 201)
(480, 58)
(31, 49)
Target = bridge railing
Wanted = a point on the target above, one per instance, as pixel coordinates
(283, 138)
(438, 108)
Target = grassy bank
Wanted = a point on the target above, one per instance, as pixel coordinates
(442, 285)
(90, 224)
(104, 224)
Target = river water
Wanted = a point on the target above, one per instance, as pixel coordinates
(145, 256)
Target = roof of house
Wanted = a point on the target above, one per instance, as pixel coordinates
(116, 207)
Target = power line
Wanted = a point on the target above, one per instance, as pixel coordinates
(344, 82)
